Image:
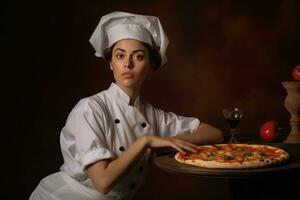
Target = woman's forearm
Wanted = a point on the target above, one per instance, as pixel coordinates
(205, 134)
(104, 174)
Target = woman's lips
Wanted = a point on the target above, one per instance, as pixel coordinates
(127, 75)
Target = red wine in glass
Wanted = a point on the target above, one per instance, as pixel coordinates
(232, 117)
(233, 122)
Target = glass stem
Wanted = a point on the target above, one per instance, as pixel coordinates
(232, 138)
(232, 131)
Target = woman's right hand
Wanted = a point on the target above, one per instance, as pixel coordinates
(179, 145)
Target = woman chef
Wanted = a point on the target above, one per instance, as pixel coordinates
(108, 137)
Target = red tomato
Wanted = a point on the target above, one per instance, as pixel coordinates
(269, 131)
(296, 73)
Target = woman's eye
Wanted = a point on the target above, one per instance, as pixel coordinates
(138, 57)
(119, 56)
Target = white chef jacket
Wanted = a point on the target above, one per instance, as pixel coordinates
(102, 127)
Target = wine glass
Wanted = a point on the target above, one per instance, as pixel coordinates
(232, 117)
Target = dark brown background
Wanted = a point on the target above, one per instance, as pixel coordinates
(221, 53)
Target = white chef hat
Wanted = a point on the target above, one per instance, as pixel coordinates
(116, 26)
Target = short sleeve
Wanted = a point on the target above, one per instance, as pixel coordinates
(83, 137)
(170, 124)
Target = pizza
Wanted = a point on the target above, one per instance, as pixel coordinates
(234, 156)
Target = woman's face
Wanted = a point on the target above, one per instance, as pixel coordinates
(130, 63)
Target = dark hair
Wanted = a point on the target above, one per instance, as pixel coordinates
(154, 56)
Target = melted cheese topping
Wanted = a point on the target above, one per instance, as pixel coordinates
(233, 153)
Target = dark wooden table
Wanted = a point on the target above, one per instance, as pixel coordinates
(276, 182)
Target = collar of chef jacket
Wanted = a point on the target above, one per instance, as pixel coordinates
(122, 98)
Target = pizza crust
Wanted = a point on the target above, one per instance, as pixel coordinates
(247, 164)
